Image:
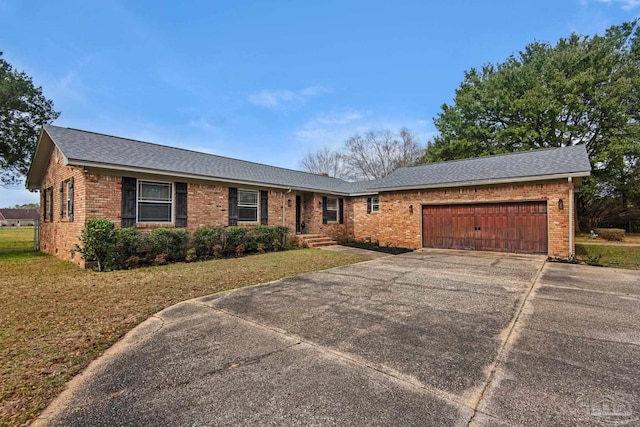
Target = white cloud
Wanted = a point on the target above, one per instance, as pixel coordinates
(342, 118)
(625, 4)
(279, 98)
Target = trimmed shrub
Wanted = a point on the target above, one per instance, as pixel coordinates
(171, 243)
(616, 234)
(206, 238)
(236, 236)
(113, 247)
(98, 242)
(126, 246)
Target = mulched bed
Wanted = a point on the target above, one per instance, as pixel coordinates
(393, 250)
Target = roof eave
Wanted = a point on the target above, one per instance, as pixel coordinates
(108, 166)
(40, 159)
(487, 182)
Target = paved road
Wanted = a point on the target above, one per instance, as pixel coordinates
(426, 338)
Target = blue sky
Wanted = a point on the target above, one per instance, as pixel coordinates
(270, 81)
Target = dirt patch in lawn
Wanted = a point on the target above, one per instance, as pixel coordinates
(56, 318)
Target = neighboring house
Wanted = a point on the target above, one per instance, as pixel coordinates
(18, 217)
(521, 202)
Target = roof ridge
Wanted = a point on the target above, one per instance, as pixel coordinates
(513, 153)
(197, 152)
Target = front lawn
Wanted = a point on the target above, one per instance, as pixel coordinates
(609, 255)
(56, 318)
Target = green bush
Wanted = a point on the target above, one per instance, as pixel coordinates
(98, 242)
(236, 236)
(205, 238)
(125, 246)
(114, 248)
(611, 233)
(172, 243)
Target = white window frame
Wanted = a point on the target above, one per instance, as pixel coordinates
(375, 204)
(333, 209)
(256, 206)
(68, 197)
(139, 184)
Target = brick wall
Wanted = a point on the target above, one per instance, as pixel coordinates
(313, 211)
(59, 237)
(396, 225)
(98, 195)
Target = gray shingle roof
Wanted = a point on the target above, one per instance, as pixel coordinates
(568, 161)
(81, 146)
(84, 148)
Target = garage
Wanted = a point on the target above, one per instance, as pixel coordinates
(518, 227)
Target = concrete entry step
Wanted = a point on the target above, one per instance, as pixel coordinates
(314, 240)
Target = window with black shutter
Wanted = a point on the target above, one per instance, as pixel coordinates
(331, 209)
(128, 213)
(181, 204)
(61, 199)
(70, 192)
(50, 191)
(233, 206)
(373, 204)
(264, 207)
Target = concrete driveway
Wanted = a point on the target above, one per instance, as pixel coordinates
(426, 338)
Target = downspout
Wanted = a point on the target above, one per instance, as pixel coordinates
(571, 225)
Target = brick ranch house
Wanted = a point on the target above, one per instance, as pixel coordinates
(522, 202)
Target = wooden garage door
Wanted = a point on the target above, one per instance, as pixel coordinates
(504, 227)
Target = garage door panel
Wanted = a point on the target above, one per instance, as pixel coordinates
(507, 227)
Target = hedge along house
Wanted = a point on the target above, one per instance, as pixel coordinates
(519, 202)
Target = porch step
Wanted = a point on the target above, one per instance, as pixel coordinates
(314, 240)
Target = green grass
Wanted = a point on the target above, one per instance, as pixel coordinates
(56, 318)
(15, 241)
(609, 256)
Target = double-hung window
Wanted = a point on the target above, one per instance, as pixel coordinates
(247, 205)
(69, 200)
(155, 201)
(332, 209)
(375, 204)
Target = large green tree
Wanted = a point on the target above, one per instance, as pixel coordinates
(582, 90)
(23, 111)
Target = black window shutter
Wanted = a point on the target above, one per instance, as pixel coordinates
(61, 199)
(71, 192)
(264, 207)
(324, 210)
(181, 204)
(50, 204)
(233, 206)
(341, 211)
(368, 205)
(129, 201)
(44, 205)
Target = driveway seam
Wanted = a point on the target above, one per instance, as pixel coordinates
(352, 359)
(503, 347)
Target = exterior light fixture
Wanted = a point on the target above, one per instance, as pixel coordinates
(410, 209)
(560, 204)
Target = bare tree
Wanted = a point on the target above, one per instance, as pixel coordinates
(324, 162)
(377, 153)
(371, 155)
